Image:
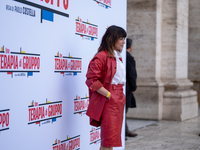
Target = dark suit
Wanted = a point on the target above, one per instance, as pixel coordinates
(131, 76)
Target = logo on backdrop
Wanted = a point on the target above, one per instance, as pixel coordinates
(104, 3)
(71, 143)
(81, 105)
(67, 65)
(4, 119)
(19, 63)
(86, 30)
(45, 112)
(58, 3)
(95, 135)
(46, 13)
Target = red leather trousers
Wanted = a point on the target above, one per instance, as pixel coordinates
(112, 118)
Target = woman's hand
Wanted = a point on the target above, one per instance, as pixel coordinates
(109, 96)
(104, 92)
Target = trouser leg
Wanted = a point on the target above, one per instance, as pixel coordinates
(126, 128)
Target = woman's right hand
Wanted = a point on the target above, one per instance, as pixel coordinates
(109, 96)
(104, 92)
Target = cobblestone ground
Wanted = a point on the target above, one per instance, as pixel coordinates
(167, 135)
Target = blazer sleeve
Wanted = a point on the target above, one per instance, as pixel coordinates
(131, 72)
(94, 73)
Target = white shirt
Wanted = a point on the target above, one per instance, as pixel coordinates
(120, 75)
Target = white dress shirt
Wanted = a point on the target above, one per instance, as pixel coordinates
(120, 75)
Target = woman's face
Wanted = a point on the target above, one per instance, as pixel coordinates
(120, 43)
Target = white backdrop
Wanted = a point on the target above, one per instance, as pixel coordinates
(46, 46)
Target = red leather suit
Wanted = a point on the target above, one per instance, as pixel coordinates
(103, 112)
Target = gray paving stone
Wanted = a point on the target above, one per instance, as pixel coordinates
(165, 135)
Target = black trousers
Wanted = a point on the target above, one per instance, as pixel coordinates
(126, 127)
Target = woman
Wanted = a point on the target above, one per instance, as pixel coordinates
(105, 80)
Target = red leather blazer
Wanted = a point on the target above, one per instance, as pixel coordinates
(101, 71)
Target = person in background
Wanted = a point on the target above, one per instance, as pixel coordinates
(105, 80)
(131, 76)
